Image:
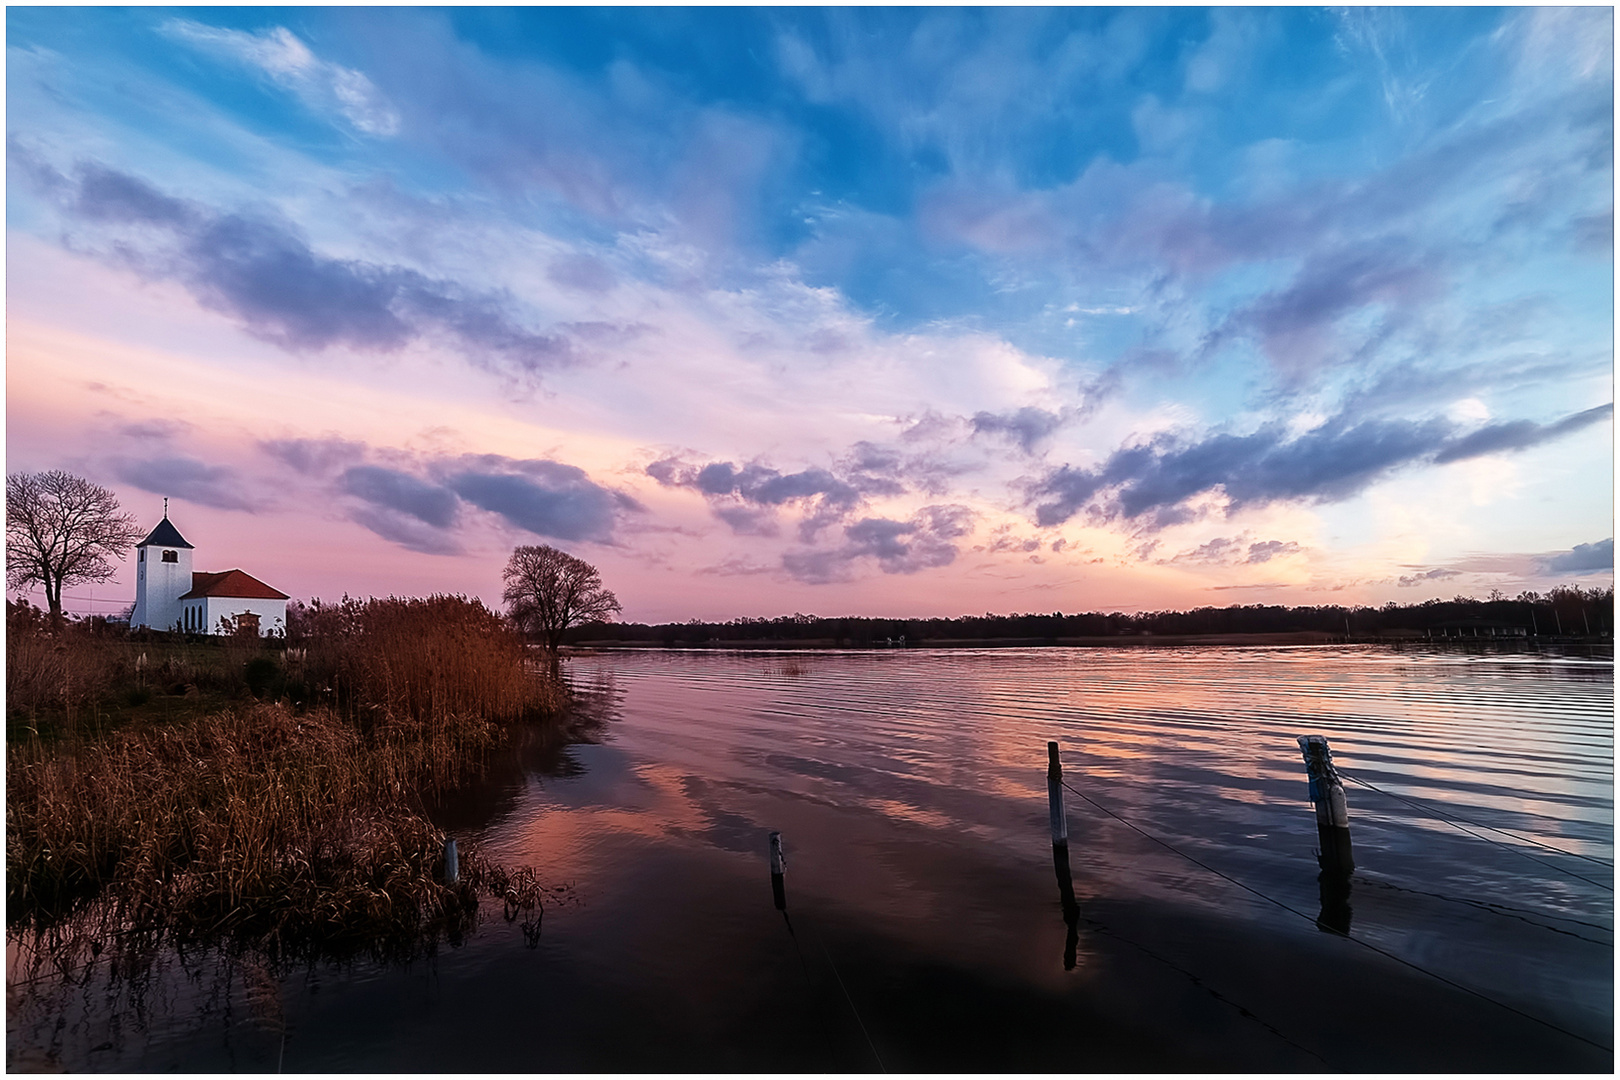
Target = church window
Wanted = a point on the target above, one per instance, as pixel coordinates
(140, 554)
(171, 556)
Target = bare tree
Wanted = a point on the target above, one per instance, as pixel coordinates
(547, 591)
(62, 530)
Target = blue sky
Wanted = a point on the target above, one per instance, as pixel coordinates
(911, 311)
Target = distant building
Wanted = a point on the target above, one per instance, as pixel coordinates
(169, 595)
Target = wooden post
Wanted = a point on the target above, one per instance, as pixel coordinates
(1332, 812)
(451, 870)
(778, 867)
(1054, 797)
(1060, 854)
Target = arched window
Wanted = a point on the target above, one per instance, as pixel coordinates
(171, 556)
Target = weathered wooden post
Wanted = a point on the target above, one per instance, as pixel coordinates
(1332, 812)
(778, 867)
(1054, 797)
(451, 870)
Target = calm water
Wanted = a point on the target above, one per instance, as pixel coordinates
(923, 927)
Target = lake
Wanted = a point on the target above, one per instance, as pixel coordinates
(924, 928)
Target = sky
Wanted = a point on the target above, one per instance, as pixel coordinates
(908, 312)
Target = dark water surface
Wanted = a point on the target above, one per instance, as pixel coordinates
(923, 926)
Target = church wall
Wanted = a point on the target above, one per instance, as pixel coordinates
(272, 613)
(159, 586)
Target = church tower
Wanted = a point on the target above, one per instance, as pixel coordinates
(162, 576)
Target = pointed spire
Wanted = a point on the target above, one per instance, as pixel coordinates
(165, 535)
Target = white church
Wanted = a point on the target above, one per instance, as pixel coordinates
(169, 595)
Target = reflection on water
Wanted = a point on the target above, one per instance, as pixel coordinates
(909, 786)
(1071, 907)
(1335, 914)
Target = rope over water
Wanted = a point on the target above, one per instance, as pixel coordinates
(1453, 821)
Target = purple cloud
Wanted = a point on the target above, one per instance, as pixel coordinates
(736, 494)
(189, 479)
(262, 273)
(546, 498)
(1583, 559)
(1519, 435)
(395, 490)
(1332, 462)
(314, 457)
(1266, 550)
(1408, 581)
(1026, 427)
(899, 547)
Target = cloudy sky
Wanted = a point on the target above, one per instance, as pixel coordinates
(907, 312)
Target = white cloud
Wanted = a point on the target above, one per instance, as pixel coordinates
(321, 85)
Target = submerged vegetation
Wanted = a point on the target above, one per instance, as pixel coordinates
(270, 795)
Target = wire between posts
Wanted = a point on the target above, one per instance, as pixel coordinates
(1359, 941)
(1455, 822)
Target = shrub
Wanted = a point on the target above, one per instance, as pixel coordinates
(261, 673)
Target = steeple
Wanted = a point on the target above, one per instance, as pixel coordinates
(165, 535)
(162, 573)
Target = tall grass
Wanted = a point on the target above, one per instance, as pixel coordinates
(62, 672)
(427, 659)
(271, 823)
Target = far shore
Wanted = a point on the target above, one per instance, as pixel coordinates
(1299, 637)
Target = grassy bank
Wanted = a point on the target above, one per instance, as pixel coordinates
(271, 796)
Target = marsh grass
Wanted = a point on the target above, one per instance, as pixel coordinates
(295, 822)
(425, 658)
(83, 679)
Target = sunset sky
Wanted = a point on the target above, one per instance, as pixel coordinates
(905, 312)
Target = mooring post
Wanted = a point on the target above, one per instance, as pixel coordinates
(778, 867)
(1054, 797)
(1332, 812)
(451, 870)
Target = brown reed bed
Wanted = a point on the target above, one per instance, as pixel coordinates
(295, 822)
(420, 657)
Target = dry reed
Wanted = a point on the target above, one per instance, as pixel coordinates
(262, 824)
(255, 822)
(423, 658)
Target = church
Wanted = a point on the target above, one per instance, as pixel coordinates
(169, 595)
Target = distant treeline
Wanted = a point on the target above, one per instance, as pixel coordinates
(1565, 611)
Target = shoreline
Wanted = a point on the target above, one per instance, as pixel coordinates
(1301, 637)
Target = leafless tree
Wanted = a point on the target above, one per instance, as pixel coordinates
(547, 591)
(62, 530)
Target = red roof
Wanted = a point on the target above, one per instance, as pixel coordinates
(232, 583)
